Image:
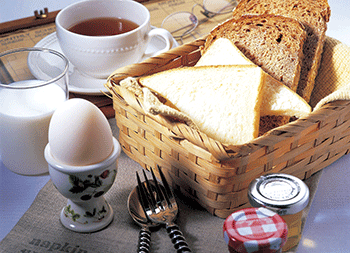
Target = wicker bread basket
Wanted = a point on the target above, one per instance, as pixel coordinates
(213, 174)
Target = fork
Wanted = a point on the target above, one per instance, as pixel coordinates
(160, 206)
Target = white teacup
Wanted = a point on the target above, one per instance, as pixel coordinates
(99, 56)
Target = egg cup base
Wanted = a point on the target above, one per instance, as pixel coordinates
(87, 217)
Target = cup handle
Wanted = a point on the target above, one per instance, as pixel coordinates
(168, 38)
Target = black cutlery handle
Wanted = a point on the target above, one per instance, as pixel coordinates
(144, 240)
(177, 238)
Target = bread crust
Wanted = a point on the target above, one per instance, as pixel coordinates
(272, 42)
(313, 14)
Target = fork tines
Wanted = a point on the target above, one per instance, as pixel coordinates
(163, 191)
(168, 193)
(143, 196)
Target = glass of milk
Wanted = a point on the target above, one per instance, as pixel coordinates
(33, 83)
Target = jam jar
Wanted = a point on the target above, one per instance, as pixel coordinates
(284, 194)
(255, 230)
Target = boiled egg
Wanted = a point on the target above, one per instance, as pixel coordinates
(79, 134)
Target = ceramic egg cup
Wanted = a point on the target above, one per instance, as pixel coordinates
(84, 186)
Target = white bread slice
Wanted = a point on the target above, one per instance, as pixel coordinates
(216, 98)
(278, 99)
(223, 52)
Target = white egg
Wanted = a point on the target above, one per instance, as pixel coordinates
(79, 134)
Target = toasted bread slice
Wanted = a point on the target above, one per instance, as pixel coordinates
(314, 16)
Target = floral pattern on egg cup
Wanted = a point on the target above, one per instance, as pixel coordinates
(84, 186)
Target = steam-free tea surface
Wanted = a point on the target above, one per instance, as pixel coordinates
(103, 26)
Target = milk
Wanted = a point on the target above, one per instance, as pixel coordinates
(24, 120)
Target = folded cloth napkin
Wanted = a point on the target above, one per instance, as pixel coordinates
(39, 229)
(333, 79)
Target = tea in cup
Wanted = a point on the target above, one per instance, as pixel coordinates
(99, 37)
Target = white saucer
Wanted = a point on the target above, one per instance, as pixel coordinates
(81, 83)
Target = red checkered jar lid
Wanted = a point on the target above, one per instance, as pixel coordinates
(255, 230)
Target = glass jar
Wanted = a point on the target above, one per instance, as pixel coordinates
(284, 194)
(255, 230)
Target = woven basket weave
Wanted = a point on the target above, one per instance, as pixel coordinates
(215, 175)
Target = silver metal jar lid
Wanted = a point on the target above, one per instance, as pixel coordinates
(282, 193)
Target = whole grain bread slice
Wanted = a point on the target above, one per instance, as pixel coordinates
(313, 14)
(275, 43)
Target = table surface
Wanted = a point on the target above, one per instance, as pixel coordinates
(326, 228)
